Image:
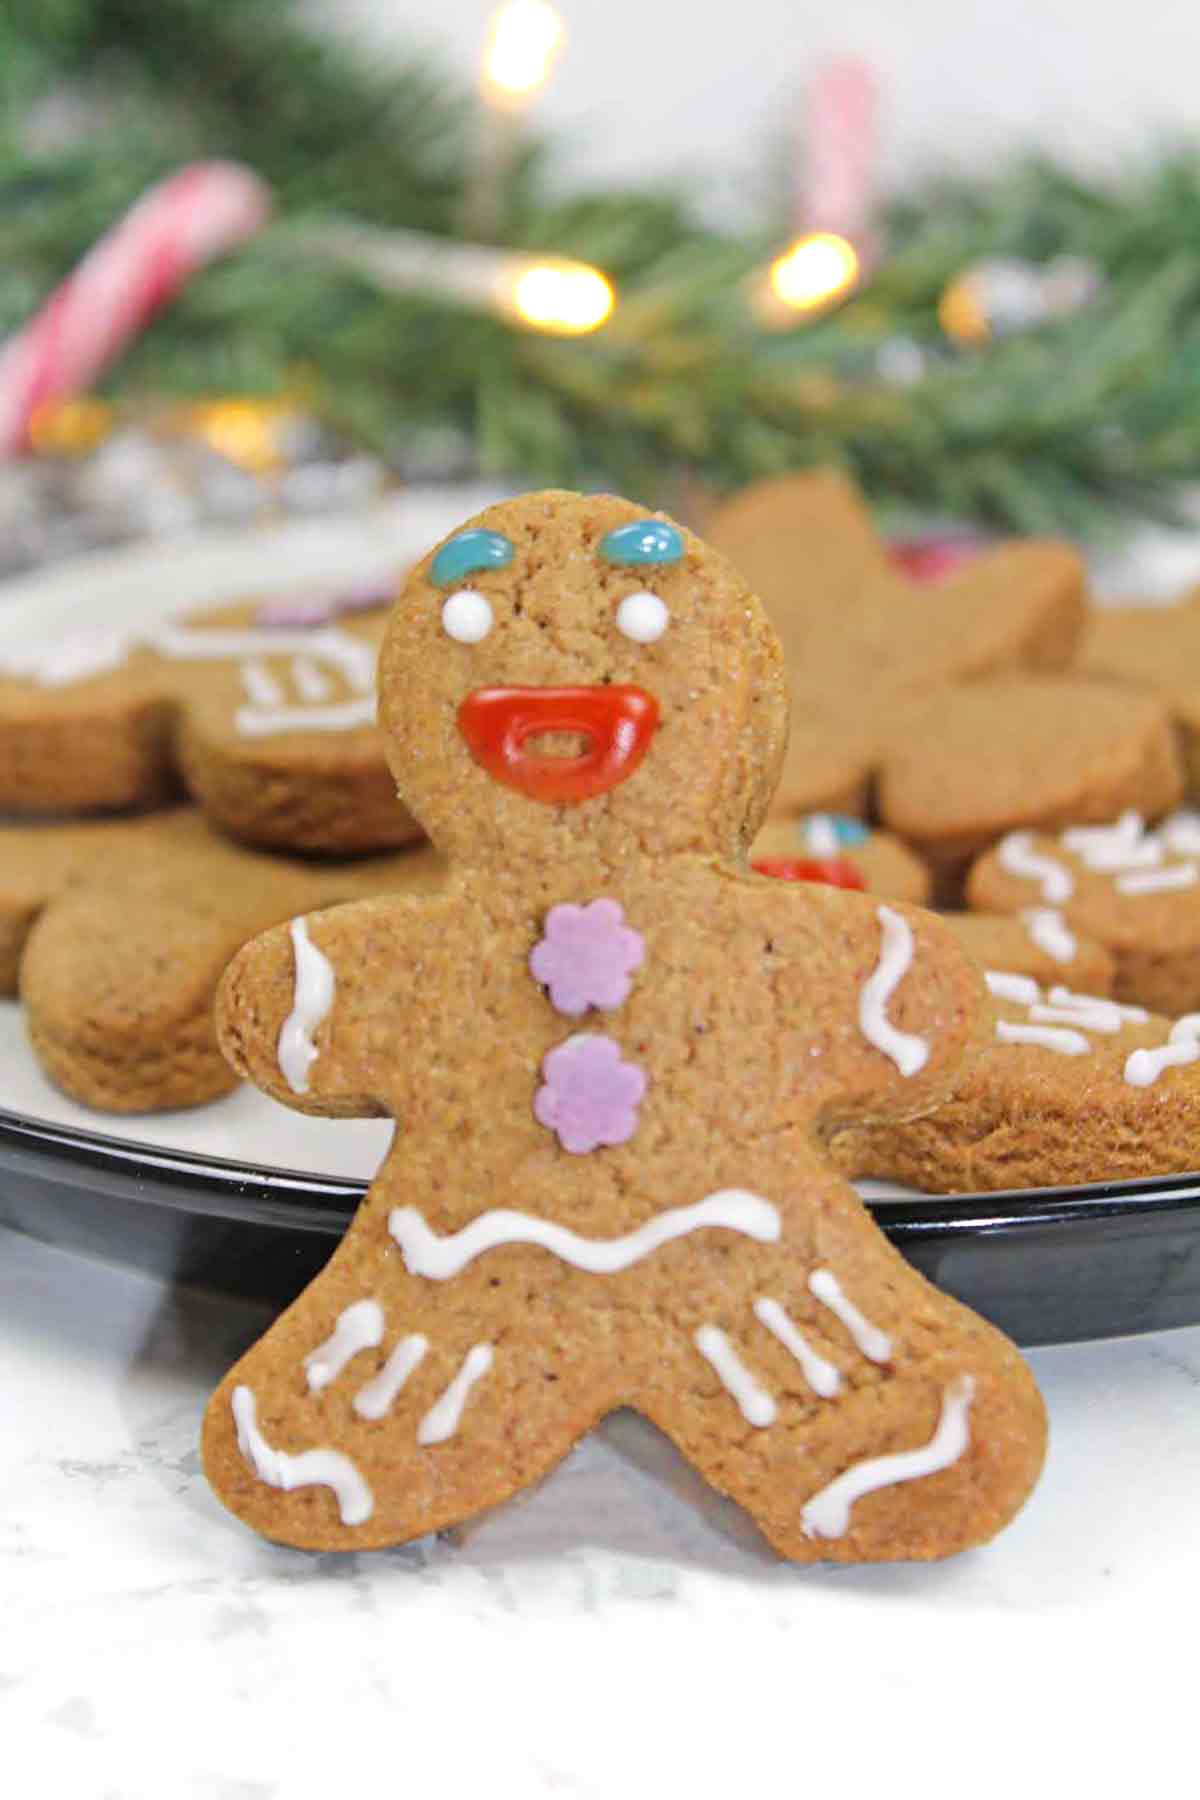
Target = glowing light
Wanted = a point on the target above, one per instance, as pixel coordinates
(961, 314)
(817, 270)
(814, 272)
(246, 432)
(567, 298)
(523, 43)
(69, 427)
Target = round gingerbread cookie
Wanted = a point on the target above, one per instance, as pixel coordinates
(1036, 942)
(265, 711)
(616, 1056)
(1133, 890)
(883, 864)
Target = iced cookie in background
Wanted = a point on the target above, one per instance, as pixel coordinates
(117, 932)
(1068, 1088)
(884, 865)
(1036, 942)
(1133, 890)
(961, 767)
(616, 1058)
(857, 631)
(264, 711)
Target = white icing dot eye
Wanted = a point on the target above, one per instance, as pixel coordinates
(642, 617)
(467, 616)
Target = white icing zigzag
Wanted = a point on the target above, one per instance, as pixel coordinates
(438, 1258)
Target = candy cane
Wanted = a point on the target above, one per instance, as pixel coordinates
(134, 269)
(836, 190)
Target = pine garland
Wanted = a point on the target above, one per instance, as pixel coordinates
(1059, 428)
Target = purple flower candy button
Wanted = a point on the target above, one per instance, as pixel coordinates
(589, 1094)
(586, 957)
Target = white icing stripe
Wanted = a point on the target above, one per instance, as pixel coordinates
(253, 721)
(874, 1344)
(1181, 833)
(442, 1419)
(1086, 1018)
(909, 1053)
(311, 1468)
(1048, 930)
(1022, 990)
(1061, 996)
(820, 1375)
(359, 1327)
(1110, 848)
(375, 1399)
(1088, 1011)
(1156, 881)
(260, 685)
(820, 835)
(827, 1514)
(353, 658)
(1018, 856)
(732, 1209)
(1048, 1037)
(757, 1406)
(313, 991)
(1143, 1067)
(311, 684)
(73, 659)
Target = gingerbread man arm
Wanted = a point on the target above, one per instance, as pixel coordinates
(313, 1012)
(884, 1002)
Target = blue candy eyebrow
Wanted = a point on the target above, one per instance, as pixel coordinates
(469, 552)
(644, 541)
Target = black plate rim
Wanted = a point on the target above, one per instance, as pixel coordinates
(289, 1199)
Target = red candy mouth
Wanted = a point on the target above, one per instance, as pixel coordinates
(618, 723)
(834, 870)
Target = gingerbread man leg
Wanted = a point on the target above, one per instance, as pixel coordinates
(818, 1409)
(415, 1411)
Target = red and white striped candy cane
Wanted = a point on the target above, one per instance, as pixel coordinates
(173, 230)
(837, 185)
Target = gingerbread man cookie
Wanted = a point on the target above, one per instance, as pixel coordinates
(1069, 1088)
(264, 711)
(614, 1054)
(858, 632)
(1136, 892)
(118, 932)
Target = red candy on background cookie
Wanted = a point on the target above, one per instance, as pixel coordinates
(834, 870)
(616, 1058)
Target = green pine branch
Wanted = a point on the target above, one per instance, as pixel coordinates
(1060, 428)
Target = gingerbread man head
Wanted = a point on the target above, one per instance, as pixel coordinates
(616, 1056)
(571, 676)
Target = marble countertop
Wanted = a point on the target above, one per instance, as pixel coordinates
(620, 1633)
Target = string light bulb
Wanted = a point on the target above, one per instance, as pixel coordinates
(814, 272)
(567, 299)
(524, 41)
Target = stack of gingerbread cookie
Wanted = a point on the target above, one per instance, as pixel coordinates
(168, 795)
(987, 745)
(1030, 752)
